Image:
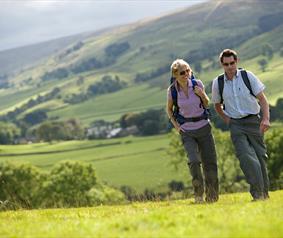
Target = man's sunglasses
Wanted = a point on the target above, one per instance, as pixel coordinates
(184, 72)
(231, 63)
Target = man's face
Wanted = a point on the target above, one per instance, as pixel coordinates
(230, 65)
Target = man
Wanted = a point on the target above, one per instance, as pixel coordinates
(240, 110)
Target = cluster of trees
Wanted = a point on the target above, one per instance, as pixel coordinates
(267, 53)
(112, 52)
(58, 73)
(47, 130)
(11, 115)
(72, 49)
(146, 76)
(35, 117)
(150, 122)
(67, 184)
(276, 112)
(60, 130)
(106, 85)
(8, 133)
(117, 49)
(86, 65)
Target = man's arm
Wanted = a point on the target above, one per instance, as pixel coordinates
(265, 123)
(220, 112)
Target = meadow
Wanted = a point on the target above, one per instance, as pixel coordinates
(234, 215)
(139, 162)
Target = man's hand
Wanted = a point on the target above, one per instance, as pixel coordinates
(226, 119)
(264, 125)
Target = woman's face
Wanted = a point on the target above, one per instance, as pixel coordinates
(183, 73)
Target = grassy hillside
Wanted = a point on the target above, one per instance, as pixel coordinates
(26, 56)
(233, 216)
(197, 34)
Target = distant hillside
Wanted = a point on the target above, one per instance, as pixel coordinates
(20, 58)
(70, 82)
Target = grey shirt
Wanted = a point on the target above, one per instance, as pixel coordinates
(236, 96)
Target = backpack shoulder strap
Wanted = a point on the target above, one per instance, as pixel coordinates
(174, 94)
(220, 80)
(247, 81)
(194, 82)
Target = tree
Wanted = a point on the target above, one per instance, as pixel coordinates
(263, 64)
(8, 133)
(60, 130)
(19, 185)
(35, 117)
(68, 184)
(198, 67)
(267, 50)
(274, 142)
(116, 49)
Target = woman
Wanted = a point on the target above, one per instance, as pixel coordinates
(186, 109)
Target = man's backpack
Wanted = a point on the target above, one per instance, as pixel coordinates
(179, 118)
(245, 77)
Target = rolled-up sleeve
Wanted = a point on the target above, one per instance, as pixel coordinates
(256, 84)
(215, 97)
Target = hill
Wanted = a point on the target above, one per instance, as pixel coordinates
(20, 58)
(232, 216)
(140, 54)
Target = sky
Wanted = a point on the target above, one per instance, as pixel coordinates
(24, 22)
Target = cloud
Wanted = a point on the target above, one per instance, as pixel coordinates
(29, 21)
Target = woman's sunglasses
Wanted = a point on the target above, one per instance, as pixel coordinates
(184, 72)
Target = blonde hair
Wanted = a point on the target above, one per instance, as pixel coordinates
(177, 64)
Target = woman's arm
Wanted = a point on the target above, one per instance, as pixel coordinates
(169, 110)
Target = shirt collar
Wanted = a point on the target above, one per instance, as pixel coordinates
(190, 84)
(237, 74)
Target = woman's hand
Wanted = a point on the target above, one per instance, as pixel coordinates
(178, 128)
(199, 91)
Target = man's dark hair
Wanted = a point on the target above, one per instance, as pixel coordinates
(227, 53)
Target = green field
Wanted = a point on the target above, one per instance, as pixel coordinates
(234, 215)
(139, 162)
